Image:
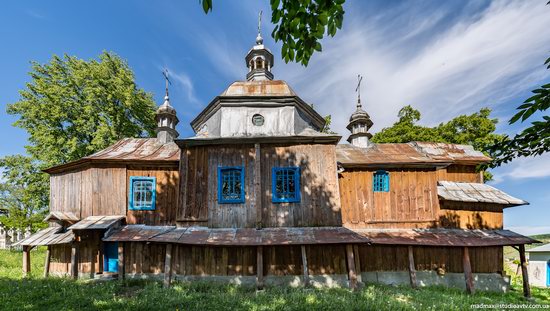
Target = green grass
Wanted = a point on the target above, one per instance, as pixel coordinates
(37, 293)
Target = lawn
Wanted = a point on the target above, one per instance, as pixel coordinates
(37, 293)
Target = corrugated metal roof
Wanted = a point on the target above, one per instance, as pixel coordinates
(49, 236)
(96, 222)
(259, 88)
(540, 249)
(129, 149)
(383, 154)
(64, 216)
(236, 237)
(444, 237)
(454, 152)
(475, 192)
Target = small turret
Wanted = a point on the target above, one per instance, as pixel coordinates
(259, 59)
(166, 118)
(359, 122)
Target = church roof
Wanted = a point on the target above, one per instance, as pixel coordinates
(408, 154)
(128, 149)
(259, 88)
(474, 193)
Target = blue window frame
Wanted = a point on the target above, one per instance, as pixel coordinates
(231, 184)
(142, 193)
(285, 184)
(381, 181)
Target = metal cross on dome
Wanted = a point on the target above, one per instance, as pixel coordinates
(259, 22)
(358, 90)
(165, 74)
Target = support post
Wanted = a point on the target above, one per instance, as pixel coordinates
(74, 260)
(352, 274)
(26, 260)
(305, 268)
(357, 263)
(258, 185)
(524, 274)
(47, 261)
(121, 272)
(468, 271)
(259, 267)
(412, 269)
(101, 252)
(168, 266)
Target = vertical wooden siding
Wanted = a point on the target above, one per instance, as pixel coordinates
(167, 189)
(411, 202)
(460, 173)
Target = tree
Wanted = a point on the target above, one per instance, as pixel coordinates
(24, 194)
(535, 139)
(301, 24)
(72, 107)
(476, 129)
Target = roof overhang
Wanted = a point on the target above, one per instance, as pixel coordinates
(85, 163)
(295, 139)
(50, 236)
(475, 193)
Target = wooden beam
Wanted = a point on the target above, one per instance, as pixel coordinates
(468, 271)
(100, 262)
(168, 266)
(305, 269)
(259, 267)
(352, 274)
(412, 268)
(74, 260)
(121, 272)
(26, 260)
(357, 263)
(524, 274)
(47, 261)
(258, 185)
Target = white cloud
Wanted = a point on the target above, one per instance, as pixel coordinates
(439, 63)
(185, 84)
(529, 230)
(524, 168)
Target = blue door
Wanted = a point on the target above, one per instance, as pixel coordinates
(110, 262)
(548, 273)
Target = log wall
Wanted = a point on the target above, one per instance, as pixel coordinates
(460, 173)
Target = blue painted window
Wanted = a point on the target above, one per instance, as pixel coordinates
(142, 193)
(231, 184)
(381, 181)
(285, 184)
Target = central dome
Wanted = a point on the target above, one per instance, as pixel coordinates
(259, 88)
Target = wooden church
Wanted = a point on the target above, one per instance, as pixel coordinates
(261, 196)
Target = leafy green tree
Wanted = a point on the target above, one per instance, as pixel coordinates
(24, 193)
(476, 129)
(301, 24)
(73, 107)
(535, 139)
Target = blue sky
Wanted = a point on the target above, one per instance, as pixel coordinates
(443, 57)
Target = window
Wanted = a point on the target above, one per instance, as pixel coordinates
(231, 184)
(381, 181)
(285, 185)
(142, 193)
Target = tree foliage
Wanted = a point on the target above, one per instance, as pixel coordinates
(73, 107)
(535, 139)
(24, 193)
(476, 129)
(301, 24)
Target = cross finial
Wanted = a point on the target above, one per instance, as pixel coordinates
(259, 39)
(358, 90)
(165, 74)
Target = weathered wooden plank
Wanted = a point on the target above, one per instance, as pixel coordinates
(121, 265)
(352, 274)
(259, 267)
(468, 271)
(26, 260)
(47, 261)
(524, 273)
(357, 263)
(74, 260)
(412, 268)
(168, 266)
(257, 184)
(305, 270)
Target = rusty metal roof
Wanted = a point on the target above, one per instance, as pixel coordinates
(63, 216)
(408, 154)
(383, 154)
(259, 88)
(129, 149)
(49, 236)
(475, 192)
(454, 152)
(444, 237)
(236, 236)
(97, 222)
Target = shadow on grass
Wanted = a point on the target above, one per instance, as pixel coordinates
(65, 294)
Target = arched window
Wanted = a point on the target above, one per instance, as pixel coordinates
(381, 181)
(259, 63)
